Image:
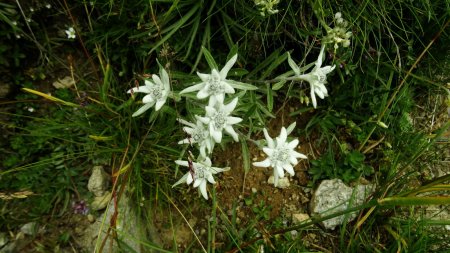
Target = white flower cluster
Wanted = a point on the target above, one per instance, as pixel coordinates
(205, 131)
(157, 91)
(281, 155)
(267, 6)
(70, 32)
(208, 129)
(339, 33)
(317, 78)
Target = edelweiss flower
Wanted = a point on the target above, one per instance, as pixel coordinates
(214, 85)
(317, 78)
(198, 134)
(157, 92)
(199, 173)
(71, 33)
(280, 155)
(217, 118)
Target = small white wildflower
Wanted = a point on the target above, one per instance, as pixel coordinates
(339, 33)
(30, 109)
(267, 6)
(281, 155)
(14, 23)
(31, 9)
(28, 20)
(214, 85)
(18, 36)
(317, 78)
(71, 33)
(198, 133)
(48, 6)
(217, 118)
(338, 15)
(200, 173)
(157, 92)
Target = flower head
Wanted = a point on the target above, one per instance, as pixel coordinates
(198, 133)
(200, 173)
(71, 33)
(217, 118)
(214, 85)
(317, 78)
(339, 33)
(281, 155)
(157, 91)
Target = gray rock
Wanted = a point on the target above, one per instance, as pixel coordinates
(101, 202)
(29, 228)
(282, 182)
(334, 196)
(99, 181)
(5, 89)
(3, 239)
(298, 218)
(128, 227)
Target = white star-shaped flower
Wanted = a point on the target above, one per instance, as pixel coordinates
(71, 33)
(214, 85)
(200, 173)
(198, 133)
(217, 118)
(157, 92)
(281, 155)
(317, 78)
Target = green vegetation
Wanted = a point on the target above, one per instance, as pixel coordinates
(384, 119)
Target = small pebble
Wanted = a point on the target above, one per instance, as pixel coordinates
(91, 218)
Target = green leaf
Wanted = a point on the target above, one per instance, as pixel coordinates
(211, 62)
(245, 156)
(233, 52)
(269, 98)
(278, 85)
(241, 86)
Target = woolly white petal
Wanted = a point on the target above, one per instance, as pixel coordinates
(211, 179)
(148, 99)
(204, 77)
(157, 80)
(227, 67)
(282, 137)
(142, 110)
(192, 88)
(198, 181)
(203, 93)
(233, 134)
(293, 144)
(227, 87)
(217, 135)
(293, 65)
(270, 142)
(142, 89)
(203, 189)
(182, 180)
(313, 97)
(189, 178)
(159, 104)
(265, 163)
(319, 93)
(268, 151)
(280, 171)
(233, 120)
(182, 163)
(289, 169)
(230, 107)
(299, 155)
(320, 58)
